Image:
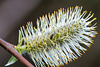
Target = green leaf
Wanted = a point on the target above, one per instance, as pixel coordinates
(20, 37)
(11, 61)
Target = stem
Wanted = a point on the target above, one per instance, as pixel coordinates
(10, 48)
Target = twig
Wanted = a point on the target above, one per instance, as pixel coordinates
(10, 48)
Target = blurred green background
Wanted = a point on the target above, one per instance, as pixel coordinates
(15, 13)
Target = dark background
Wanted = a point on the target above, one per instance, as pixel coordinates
(15, 13)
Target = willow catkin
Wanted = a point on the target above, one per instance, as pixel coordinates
(58, 38)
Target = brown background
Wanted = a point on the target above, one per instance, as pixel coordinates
(15, 13)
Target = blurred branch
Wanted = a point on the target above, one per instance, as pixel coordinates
(10, 48)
